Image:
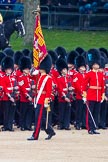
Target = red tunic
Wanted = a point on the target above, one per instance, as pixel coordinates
(47, 90)
(72, 72)
(24, 83)
(17, 73)
(78, 80)
(62, 87)
(8, 85)
(54, 74)
(93, 80)
(1, 86)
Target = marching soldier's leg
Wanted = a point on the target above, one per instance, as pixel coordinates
(103, 114)
(29, 116)
(96, 113)
(49, 129)
(62, 106)
(38, 119)
(11, 116)
(67, 114)
(23, 110)
(79, 109)
(5, 115)
(90, 122)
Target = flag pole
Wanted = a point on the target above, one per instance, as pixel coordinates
(36, 13)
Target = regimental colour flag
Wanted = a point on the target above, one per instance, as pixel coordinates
(39, 46)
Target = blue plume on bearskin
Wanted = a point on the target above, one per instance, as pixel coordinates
(46, 64)
(93, 56)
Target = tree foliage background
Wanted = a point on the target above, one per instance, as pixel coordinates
(29, 20)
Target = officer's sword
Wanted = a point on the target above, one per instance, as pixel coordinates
(48, 110)
(91, 115)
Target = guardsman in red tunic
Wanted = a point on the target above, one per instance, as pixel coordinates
(44, 90)
(53, 119)
(78, 80)
(8, 100)
(2, 55)
(71, 72)
(104, 104)
(17, 72)
(64, 86)
(93, 89)
(26, 98)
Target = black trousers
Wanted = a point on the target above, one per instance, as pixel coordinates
(79, 112)
(40, 120)
(26, 113)
(103, 114)
(8, 114)
(64, 114)
(1, 113)
(94, 107)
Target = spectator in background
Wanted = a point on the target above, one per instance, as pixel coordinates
(8, 3)
(64, 2)
(104, 4)
(87, 6)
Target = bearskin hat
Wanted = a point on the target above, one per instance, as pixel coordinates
(104, 50)
(9, 52)
(7, 63)
(17, 57)
(93, 56)
(61, 64)
(80, 61)
(26, 52)
(103, 62)
(103, 54)
(46, 64)
(80, 50)
(2, 55)
(24, 63)
(53, 55)
(71, 57)
(61, 52)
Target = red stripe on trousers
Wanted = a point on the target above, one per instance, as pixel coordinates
(37, 129)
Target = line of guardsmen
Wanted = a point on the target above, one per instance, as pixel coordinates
(78, 77)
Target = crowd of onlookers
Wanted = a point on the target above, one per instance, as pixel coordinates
(11, 4)
(84, 6)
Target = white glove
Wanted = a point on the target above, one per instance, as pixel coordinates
(84, 99)
(36, 72)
